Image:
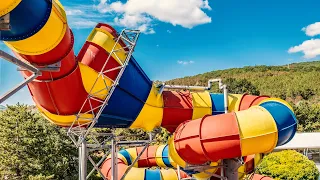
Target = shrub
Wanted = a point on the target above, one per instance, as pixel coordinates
(289, 165)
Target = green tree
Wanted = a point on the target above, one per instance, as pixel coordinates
(241, 86)
(32, 148)
(289, 165)
(308, 115)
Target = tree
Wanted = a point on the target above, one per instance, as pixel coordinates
(241, 86)
(308, 115)
(32, 148)
(288, 164)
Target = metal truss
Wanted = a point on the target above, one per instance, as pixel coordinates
(111, 143)
(24, 66)
(78, 132)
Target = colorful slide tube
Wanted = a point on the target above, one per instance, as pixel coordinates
(202, 132)
(152, 156)
(158, 156)
(258, 129)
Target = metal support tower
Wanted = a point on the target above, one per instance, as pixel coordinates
(78, 132)
(81, 133)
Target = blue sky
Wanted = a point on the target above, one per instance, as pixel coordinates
(188, 37)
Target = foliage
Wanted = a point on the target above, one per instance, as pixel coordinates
(295, 82)
(308, 116)
(241, 86)
(32, 148)
(288, 164)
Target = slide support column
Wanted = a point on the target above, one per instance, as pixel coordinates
(83, 160)
(231, 169)
(114, 160)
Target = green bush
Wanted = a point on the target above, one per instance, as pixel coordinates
(289, 165)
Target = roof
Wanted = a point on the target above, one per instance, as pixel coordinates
(303, 141)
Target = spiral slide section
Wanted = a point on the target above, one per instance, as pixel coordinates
(159, 156)
(152, 156)
(258, 129)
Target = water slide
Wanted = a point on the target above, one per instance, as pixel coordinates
(202, 132)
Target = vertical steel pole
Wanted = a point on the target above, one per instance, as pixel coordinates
(222, 170)
(83, 160)
(114, 160)
(231, 172)
(179, 175)
(225, 93)
(225, 98)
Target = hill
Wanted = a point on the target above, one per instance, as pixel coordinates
(292, 82)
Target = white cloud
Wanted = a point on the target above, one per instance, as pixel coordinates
(135, 21)
(168, 31)
(310, 48)
(74, 12)
(83, 24)
(143, 13)
(312, 29)
(185, 62)
(84, 16)
(146, 29)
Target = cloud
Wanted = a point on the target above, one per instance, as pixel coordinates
(185, 62)
(312, 29)
(145, 13)
(168, 31)
(73, 12)
(135, 21)
(84, 16)
(310, 48)
(84, 24)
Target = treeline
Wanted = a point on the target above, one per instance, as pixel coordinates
(296, 83)
(292, 82)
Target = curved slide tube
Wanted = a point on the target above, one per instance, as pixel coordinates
(202, 132)
(152, 156)
(258, 129)
(159, 156)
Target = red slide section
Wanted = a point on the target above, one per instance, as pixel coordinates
(225, 139)
(61, 92)
(177, 109)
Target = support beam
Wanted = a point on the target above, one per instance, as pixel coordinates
(83, 160)
(231, 168)
(114, 160)
(36, 72)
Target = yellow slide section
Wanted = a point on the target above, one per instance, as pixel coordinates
(8, 5)
(47, 38)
